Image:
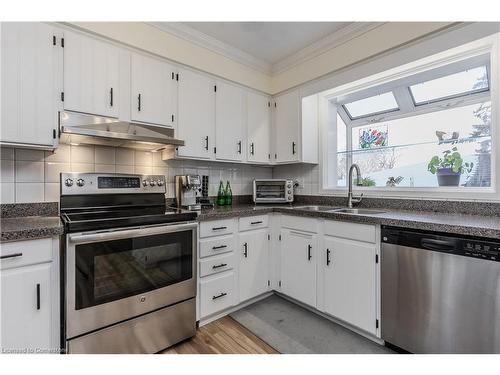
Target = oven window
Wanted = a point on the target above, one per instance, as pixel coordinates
(111, 270)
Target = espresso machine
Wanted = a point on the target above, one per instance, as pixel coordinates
(187, 189)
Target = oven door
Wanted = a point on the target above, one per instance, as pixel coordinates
(116, 275)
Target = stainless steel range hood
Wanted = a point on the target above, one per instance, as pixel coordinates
(78, 128)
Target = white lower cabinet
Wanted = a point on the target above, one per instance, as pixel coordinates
(216, 293)
(349, 281)
(29, 296)
(254, 263)
(298, 265)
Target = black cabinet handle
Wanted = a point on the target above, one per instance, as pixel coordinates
(328, 261)
(219, 228)
(14, 255)
(252, 148)
(256, 222)
(139, 102)
(219, 247)
(309, 256)
(293, 148)
(219, 296)
(245, 252)
(111, 97)
(38, 296)
(206, 142)
(239, 147)
(219, 266)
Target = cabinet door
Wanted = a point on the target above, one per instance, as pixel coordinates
(254, 263)
(196, 115)
(153, 88)
(31, 82)
(350, 282)
(258, 128)
(298, 266)
(229, 117)
(26, 307)
(91, 75)
(287, 127)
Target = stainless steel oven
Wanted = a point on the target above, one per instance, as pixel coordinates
(273, 191)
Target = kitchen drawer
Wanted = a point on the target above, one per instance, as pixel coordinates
(217, 245)
(216, 227)
(216, 293)
(216, 264)
(352, 231)
(25, 253)
(299, 223)
(253, 222)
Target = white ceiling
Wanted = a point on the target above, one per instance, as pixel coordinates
(269, 41)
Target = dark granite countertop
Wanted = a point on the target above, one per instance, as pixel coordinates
(472, 225)
(30, 227)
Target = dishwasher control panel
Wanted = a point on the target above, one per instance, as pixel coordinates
(481, 249)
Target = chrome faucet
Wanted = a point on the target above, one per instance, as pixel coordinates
(350, 198)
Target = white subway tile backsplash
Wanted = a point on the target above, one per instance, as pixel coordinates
(143, 158)
(157, 160)
(29, 192)
(82, 167)
(7, 193)
(104, 155)
(61, 154)
(52, 192)
(161, 171)
(105, 168)
(124, 156)
(29, 171)
(53, 171)
(7, 170)
(82, 154)
(29, 155)
(141, 169)
(127, 169)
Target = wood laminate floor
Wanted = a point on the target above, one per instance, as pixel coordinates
(223, 336)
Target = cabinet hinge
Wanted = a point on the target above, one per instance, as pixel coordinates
(62, 96)
(279, 283)
(215, 88)
(215, 150)
(376, 258)
(177, 76)
(268, 282)
(54, 133)
(62, 42)
(376, 323)
(54, 40)
(279, 237)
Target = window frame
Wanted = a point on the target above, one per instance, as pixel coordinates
(489, 45)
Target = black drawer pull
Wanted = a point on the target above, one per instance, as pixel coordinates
(206, 142)
(111, 97)
(239, 147)
(38, 296)
(328, 261)
(309, 256)
(139, 103)
(245, 253)
(219, 296)
(219, 266)
(256, 222)
(219, 228)
(219, 247)
(15, 255)
(293, 148)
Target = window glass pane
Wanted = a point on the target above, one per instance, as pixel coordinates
(403, 148)
(341, 148)
(373, 105)
(457, 84)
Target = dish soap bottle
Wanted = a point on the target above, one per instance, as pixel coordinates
(229, 195)
(221, 195)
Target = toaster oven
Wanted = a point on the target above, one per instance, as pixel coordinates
(273, 191)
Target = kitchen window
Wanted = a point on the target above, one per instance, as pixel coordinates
(426, 131)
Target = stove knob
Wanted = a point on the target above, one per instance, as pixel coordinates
(144, 183)
(68, 182)
(80, 182)
(152, 183)
(160, 182)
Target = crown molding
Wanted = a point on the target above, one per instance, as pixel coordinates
(345, 34)
(206, 41)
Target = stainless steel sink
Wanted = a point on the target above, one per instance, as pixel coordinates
(317, 208)
(358, 211)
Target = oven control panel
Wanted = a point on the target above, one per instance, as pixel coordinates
(110, 183)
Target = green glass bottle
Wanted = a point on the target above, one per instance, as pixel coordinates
(229, 195)
(221, 195)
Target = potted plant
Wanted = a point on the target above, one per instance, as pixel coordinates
(449, 167)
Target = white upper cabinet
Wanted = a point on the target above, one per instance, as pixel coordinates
(91, 75)
(258, 128)
(153, 87)
(196, 115)
(349, 281)
(229, 117)
(286, 122)
(31, 83)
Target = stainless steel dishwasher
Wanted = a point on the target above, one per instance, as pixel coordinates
(440, 293)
